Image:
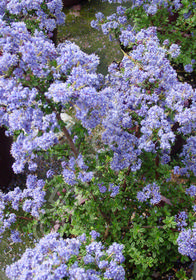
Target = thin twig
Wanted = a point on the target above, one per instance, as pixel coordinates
(25, 218)
(65, 131)
(69, 139)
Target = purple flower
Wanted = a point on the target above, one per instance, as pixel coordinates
(122, 19)
(151, 10)
(69, 177)
(82, 237)
(176, 170)
(99, 16)
(50, 173)
(114, 271)
(102, 188)
(116, 251)
(127, 37)
(59, 92)
(85, 176)
(52, 258)
(191, 191)
(80, 162)
(188, 68)
(174, 50)
(15, 236)
(180, 219)
(94, 234)
(187, 242)
(114, 190)
(120, 10)
(166, 42)
(150, 191)
(88, 259)
(187, 15)
(103, 264)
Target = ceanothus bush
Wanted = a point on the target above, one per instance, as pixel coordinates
(59, 76)
(145, 93)
(44, 14)
(126, 165)
(56, 258)
(177, 25)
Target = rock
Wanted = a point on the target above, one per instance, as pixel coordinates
(75, 10)
(76, 7)
(69, 3)
(6, 160)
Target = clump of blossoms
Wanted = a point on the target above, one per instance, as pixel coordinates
(69, 171)
(150, 191)
(187, 243)
(61, 76)
(113, 22)
(145, 91)
(191, 191)
(151, 6)
(37, 82)
(120, 18)
(143, 14)
(181, 220)
(138, 112)
(75, 258)
(29, 200)
(43, 14)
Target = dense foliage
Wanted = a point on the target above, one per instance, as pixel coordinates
(110, 162)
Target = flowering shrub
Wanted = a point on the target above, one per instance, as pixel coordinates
(125, 169)
(69, 259)
(175, 22)
(43, 15)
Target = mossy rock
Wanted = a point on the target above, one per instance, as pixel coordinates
(69, 3)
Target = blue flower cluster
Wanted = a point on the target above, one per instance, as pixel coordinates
(151, 6)
(180, 219)
(112, 22)
(94, 234)
(139, 107)
(114, 190)
(191, 191)
(29, 59)
(56, 258)
(15, 236)
(188, 68)
(119, 20)
(144, 91)
(187, 243)
(189, 150)
(151, 191)
(29, 200)
(69, 171)
(46, 13)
